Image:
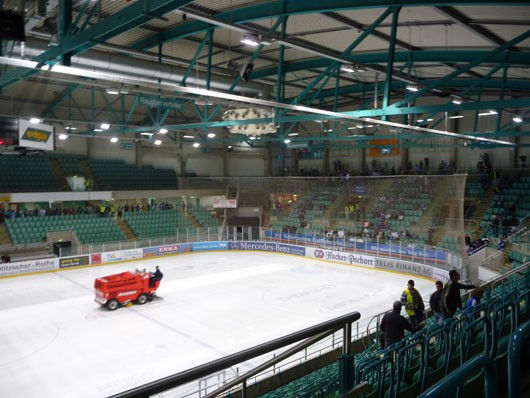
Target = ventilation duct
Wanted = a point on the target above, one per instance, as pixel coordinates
(104, 61)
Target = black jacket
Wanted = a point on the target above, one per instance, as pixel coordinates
(451, 297)
(393, 325)
(436, 301)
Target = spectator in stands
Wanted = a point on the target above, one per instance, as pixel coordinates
(514, 223)
(6, 258)
(436, 302)
(413, 303)
(451, 295)
(523, 161)
(505, 226)
(467, 239)
(155, 276)
(495, 225)
(501, 244)
(474, 300)
(393, 325)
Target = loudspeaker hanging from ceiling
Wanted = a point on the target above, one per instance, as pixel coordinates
(12, 26)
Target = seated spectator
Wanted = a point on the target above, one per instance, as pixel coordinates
(156, 276)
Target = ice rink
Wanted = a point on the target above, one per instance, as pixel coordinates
(57, 342)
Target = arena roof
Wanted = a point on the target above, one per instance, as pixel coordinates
(337, 73)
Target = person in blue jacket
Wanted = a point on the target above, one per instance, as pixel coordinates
(156, 276)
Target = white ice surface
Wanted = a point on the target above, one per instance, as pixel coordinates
(57, 342)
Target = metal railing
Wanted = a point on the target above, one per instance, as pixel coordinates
(311, 335)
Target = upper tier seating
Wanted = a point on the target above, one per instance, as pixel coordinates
(30, 173)
(118, 175)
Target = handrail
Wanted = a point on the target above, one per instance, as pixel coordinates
(453, 380)
(514, 358)
(200, 371)
(271, 362)
(500, 279)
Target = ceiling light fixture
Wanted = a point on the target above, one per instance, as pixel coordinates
(211, 135)
(63, 137)
(188, 136)
(196, 145)
(162, 131)
(105, 126)
(348, 68)
(35, 120)
(250, 40)
(116, 91)
(113, 140)
(456, 117)
(489, 113)
(457, 100)
(412, 87)
(106, 76)
(157, 142)
(517, 119)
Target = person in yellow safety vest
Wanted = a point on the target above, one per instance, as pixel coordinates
(413, 303)
(347, 212)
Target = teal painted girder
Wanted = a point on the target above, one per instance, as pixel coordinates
(457, 84)
(137, 14)
(274, 9)
(511, 103)
(346, 52)
(462, 69)
(66, 93)
(427, 56)
(390, 58)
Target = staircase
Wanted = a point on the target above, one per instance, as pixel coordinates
(129, 234)
(88, 173)
(473, 224)
(58, 170)
(4, 237)
(506, 265)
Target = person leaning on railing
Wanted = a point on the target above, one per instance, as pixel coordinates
(451, 299)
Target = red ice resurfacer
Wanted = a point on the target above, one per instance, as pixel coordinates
(123, 288)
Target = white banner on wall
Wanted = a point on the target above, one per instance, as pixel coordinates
(440, 274)
(341, 257)
(109, 257)
(224, 203)
(404, 266)
(132, 254)
(25, 267)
